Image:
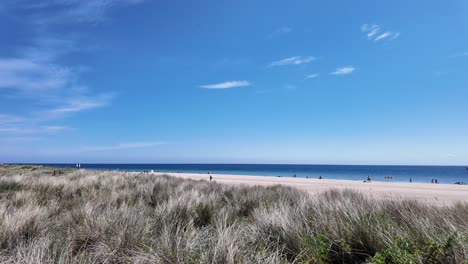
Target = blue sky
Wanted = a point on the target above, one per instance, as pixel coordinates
(320, 82)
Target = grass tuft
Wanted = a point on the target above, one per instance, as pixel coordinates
(115, 217)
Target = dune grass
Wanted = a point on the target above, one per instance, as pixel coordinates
(109, 217)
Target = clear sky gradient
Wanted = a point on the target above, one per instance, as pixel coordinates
(316, 82)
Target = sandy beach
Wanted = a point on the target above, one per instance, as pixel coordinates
(439, 194)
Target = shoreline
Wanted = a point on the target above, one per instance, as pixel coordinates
(440, 194)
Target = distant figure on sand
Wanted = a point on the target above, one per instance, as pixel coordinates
(211, 178)
(368, 179)
(410, 180)
(320, 177)
(432, 180)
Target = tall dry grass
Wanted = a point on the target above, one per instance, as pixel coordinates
(109, 217)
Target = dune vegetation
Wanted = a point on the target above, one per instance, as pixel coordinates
(117, 217)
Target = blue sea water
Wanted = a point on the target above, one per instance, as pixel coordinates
(424, 174)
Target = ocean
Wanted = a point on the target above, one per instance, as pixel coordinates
(423, 174)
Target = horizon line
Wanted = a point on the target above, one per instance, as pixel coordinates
(194, 163)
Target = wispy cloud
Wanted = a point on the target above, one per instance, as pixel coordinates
(20, 125)
(19, 139)
(27, 75)
(343, 70)
(387, 35)
(284, 30)
(36, 75)
(290, 87)
(296, 60)
(460, 54)
(81, 103)
(37, 122)
(312, 76)
(26, 129)
(226, 85)
(58, 89)
(281, 31)
(47, 48)
(10, 119)
(72, 11)
(377, 33)
(263, 91)
(121, 146)
(370, 30)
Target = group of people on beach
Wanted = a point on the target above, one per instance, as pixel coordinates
(320, 177)
(435, 181)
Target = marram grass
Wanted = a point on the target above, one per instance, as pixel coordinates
(109, 217)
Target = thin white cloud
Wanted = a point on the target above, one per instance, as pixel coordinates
(226, 85)
(383, 36)
(25, 129)
(81, 103)
(10, 119)
(312, 76)
(296, 60)
(387, 35)
(19, 139)
(290, 87)
(460, 54)
(55, 87)
(37, 77)
(284, 30)
(121, 146)
(46, 48)
(395, 35)
(20, 125)
(27, 75)
(374, 32)
(72, 11)
(37, 68)
(370, 30)
(36, 122)
(280, 31)
(344, 70)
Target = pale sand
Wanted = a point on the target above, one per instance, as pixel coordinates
(439, 194)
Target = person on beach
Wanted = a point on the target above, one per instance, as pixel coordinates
(211, 178)
(410, 180)
(320, 177)
(432, 180)
(368, 179)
